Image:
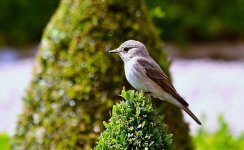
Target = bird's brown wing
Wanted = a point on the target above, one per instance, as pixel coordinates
(160, 78)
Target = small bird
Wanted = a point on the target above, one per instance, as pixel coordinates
(143, 73)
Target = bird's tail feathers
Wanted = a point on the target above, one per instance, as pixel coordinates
(188, 111)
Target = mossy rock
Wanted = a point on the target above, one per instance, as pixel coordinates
(75, 81)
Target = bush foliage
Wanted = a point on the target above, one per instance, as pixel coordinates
(222, 138)
(134, 125)
(4, 141)
(22, 21)
(197, 20)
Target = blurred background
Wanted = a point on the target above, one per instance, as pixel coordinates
(204, 39)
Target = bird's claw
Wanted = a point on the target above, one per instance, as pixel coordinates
(147, 93)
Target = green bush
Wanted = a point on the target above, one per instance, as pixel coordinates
(198, 20)
(4, 142)
(22, 21)
(134, 125)
(221, 139)
(75, 80)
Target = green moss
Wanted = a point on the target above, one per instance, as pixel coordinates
(75, 80)
(134, 125)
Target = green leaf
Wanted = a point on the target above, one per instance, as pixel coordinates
(128, 127)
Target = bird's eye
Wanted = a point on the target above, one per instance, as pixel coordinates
(127, 48)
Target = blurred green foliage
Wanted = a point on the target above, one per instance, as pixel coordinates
(221, 139)
(198, 20)
(22, 21)
(76, 82)
(4, 142)
(134, 125)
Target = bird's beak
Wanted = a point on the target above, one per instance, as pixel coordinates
(114, 51)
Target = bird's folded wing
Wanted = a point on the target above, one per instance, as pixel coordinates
(159, 77)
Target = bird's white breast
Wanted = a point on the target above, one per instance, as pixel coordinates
(135, 75)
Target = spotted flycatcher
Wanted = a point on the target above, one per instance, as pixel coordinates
(143, 73)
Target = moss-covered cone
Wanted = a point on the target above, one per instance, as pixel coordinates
(134, 125)
(75, 81)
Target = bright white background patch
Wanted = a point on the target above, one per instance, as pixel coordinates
(212, 88)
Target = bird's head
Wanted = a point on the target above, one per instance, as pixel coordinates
(130, 49)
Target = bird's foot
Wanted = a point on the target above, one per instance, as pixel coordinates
(147, 93)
